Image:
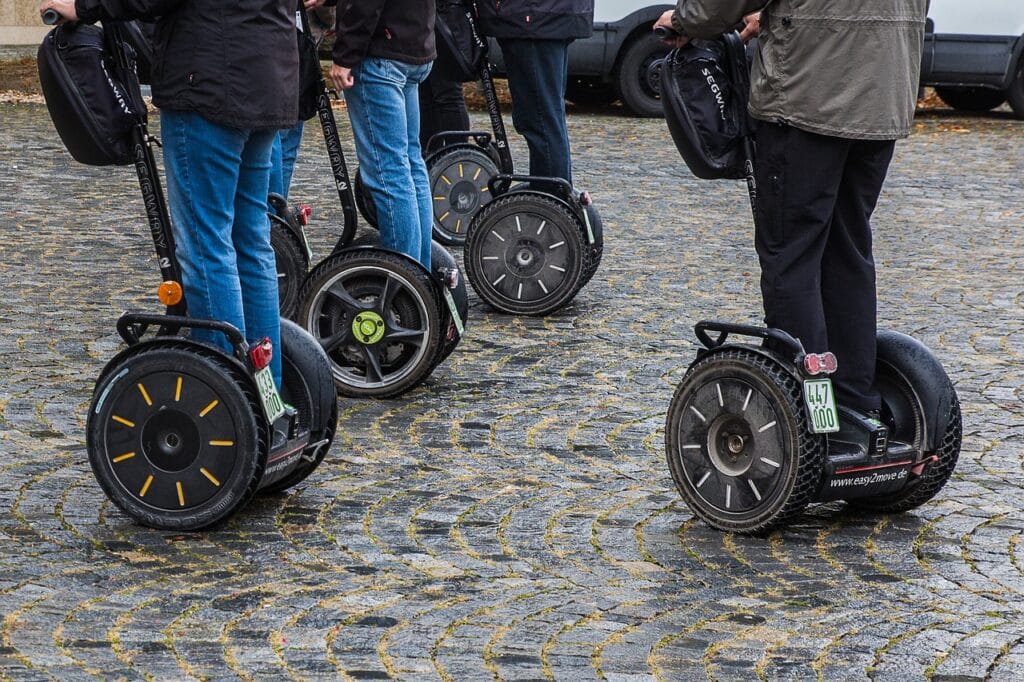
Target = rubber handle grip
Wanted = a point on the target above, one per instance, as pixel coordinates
(51, 17)
(665, 33)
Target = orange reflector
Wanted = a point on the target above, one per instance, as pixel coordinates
(169, 293)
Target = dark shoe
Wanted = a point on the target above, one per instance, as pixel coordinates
(860, 433)
(284, 429)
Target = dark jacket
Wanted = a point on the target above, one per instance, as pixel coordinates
(845, 69)
(537, 19)
(234, 63)
(402, 30)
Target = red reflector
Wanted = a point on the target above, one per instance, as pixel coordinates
(304, 213)
(820, 363)
(262, 353)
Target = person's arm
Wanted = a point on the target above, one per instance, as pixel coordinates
(354, 29)
(91, 11)
(707, 18)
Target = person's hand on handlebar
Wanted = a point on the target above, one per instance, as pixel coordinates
(751, 27)
(313, 4)
(674, 39)
(342, 77)
(65, 8)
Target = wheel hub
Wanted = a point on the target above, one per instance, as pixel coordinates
(170, 440)
(368, 327)
(730, 445)
(526, 258)
(464, 197)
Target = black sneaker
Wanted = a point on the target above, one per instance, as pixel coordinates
(860, 433)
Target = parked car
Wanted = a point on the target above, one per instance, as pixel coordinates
(974, 53)
(622, 60)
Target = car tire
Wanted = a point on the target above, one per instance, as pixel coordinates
(1015, 93)
(975, 100)
(638, 78)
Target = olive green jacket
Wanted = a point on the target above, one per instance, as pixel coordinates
(846, 68)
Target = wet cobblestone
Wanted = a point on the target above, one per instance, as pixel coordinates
(514, 518)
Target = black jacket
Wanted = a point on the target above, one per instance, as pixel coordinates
(537, 19)
(402, 30)
(234, 63)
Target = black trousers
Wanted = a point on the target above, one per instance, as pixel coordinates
(537, 75)
(816, 194)
(442, 107)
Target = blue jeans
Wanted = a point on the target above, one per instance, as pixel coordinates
(383, 107)
(282, 158)
(217, 180)
(537, 75)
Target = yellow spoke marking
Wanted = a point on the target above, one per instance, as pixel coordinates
(206, 410)
(440, 198)
(446, 179)
(485, 189)
(181, 494)
(458, 225)
(222, 443)
(461, 174)
(446, 214)
(122, 420)
(477, 174)
(177, 391)
(121, 458)
(145, 486)
(213, 479)
(145, 396)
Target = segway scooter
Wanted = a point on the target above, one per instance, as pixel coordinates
(751, 433)
(384, 321)
(531, 243)
(179, 434)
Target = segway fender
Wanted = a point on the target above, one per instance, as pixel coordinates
(924, 372)
(786, 365)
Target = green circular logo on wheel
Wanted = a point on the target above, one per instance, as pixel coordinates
(368, 327)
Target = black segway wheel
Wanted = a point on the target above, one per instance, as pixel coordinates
(525, 254)
(364, 200)
(175, 435)
(375, 314)
(739, 444)
(459, 179)
(308, 386)
(292, 263)
(903, 413)
(597, 248)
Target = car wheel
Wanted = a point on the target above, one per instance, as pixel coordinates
(639, 76)
(971, 99)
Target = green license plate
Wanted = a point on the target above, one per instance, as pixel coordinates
(821, 405)
(273, 406)
(450, 300)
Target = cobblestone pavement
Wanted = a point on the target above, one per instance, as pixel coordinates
(514, 518)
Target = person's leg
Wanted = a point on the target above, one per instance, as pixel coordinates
(377, 110)
(282, 158)
(442, 107)
(291, 140)
(201, 161)
(257, 272)
(537, 74)
(848, 275)
(417, 166)
(798, 177)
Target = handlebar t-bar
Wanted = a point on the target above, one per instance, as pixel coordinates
(51, 17)
(665, 33)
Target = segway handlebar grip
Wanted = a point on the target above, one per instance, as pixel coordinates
(665, 33)
(51, 17)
